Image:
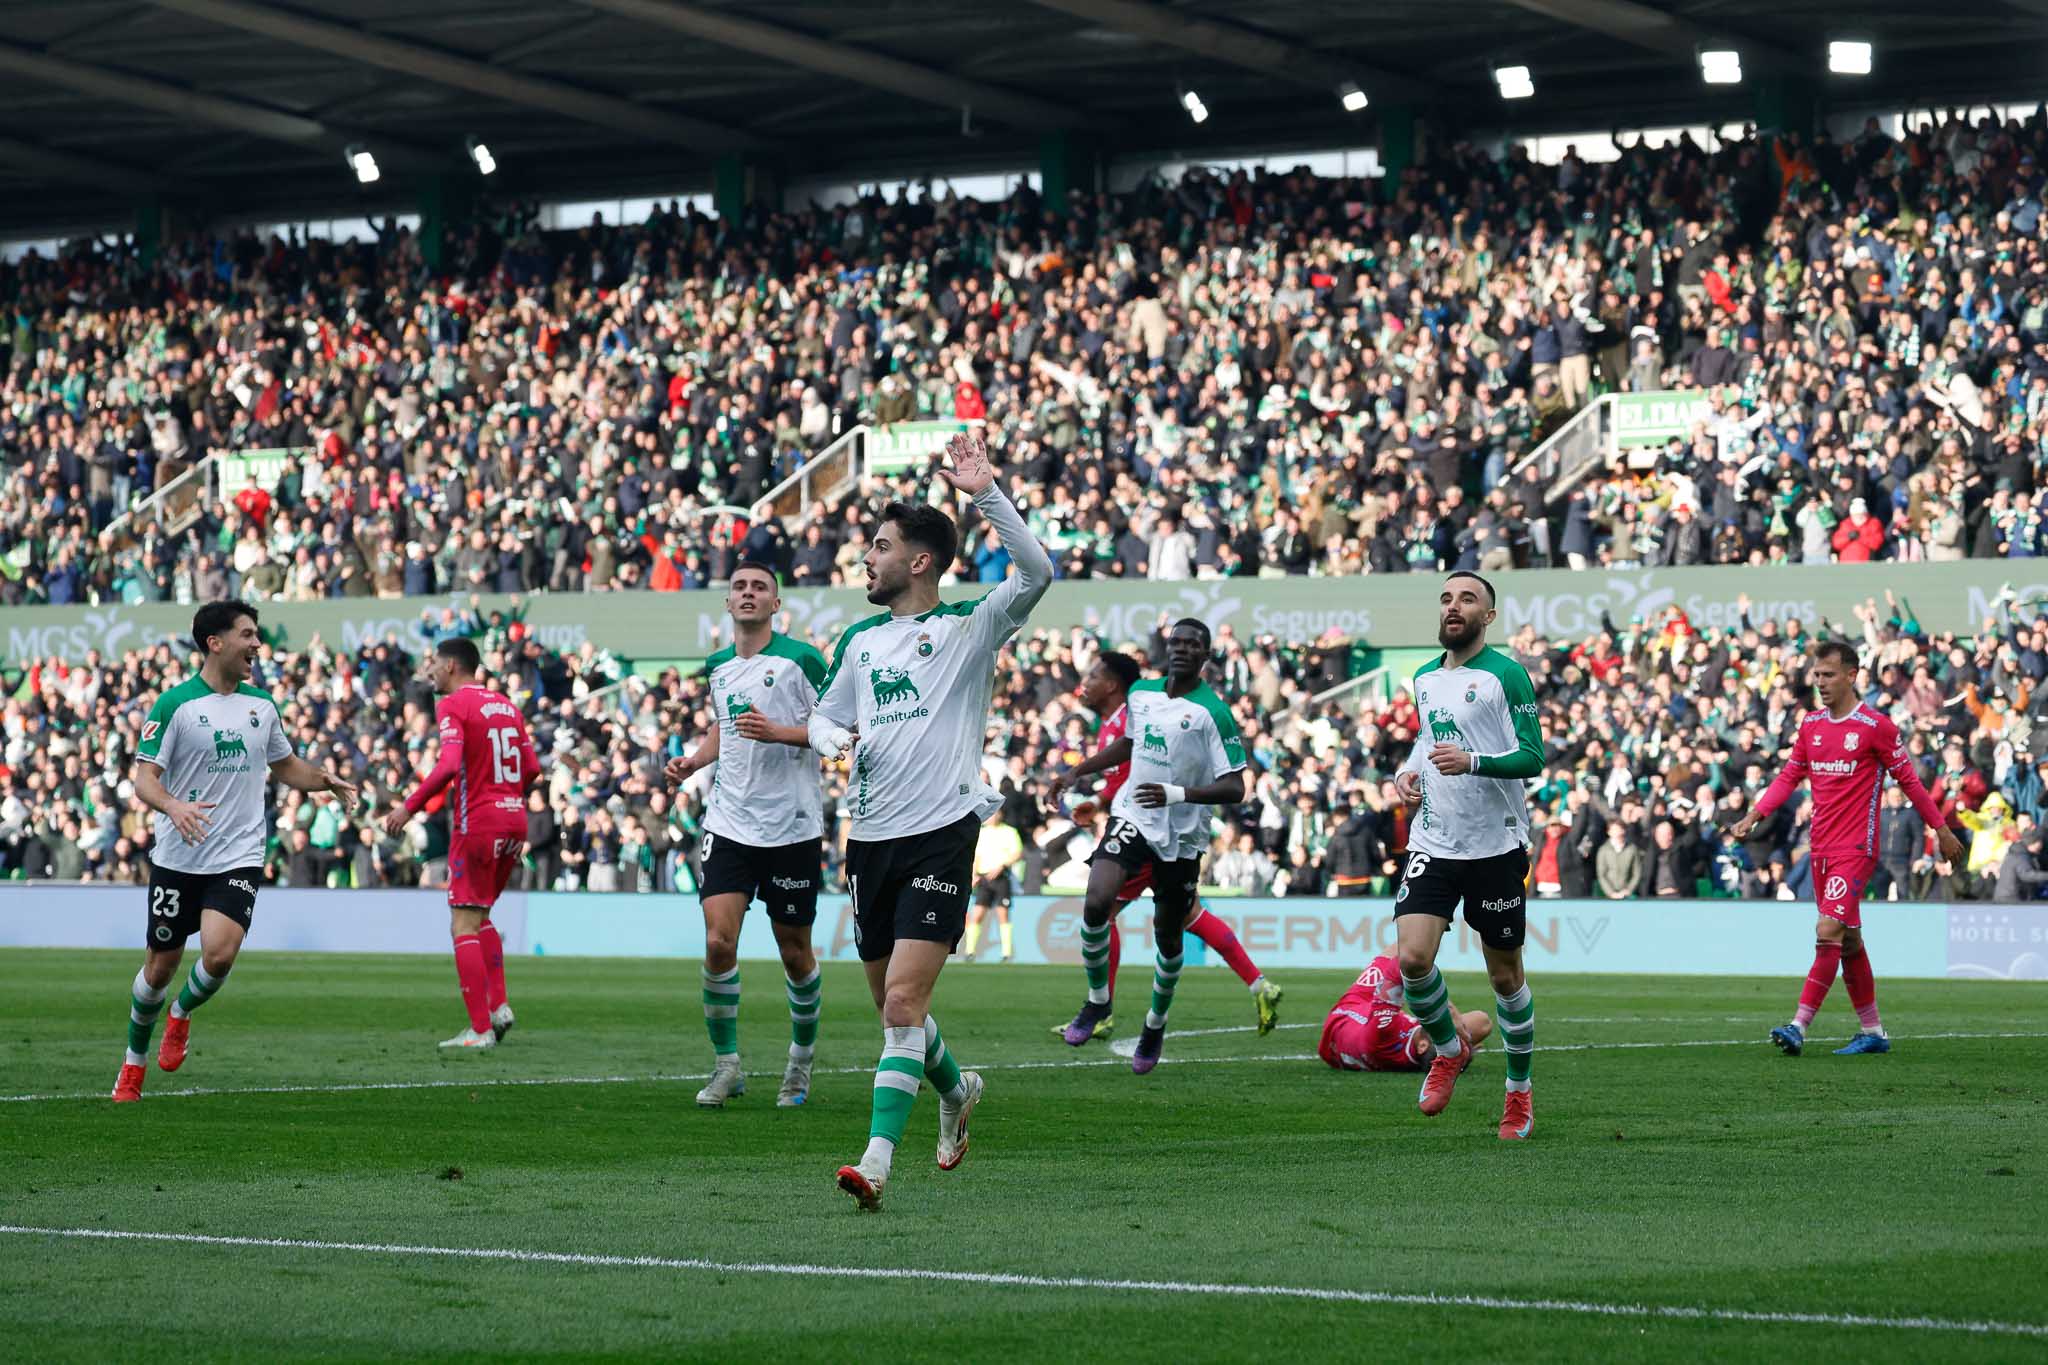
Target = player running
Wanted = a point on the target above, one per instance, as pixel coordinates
(1845, 748)
(1187, 755)
(1367, 1029)
(764, 828)
(1105, 691)
(1469, 842)
(213, 739)
(487, 751)
(914, 684)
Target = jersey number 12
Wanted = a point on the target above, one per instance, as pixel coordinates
(504, 757)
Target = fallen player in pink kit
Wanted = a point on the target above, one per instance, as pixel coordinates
(1367, 1030)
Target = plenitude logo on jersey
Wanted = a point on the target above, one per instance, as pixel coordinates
(737, 704)
(230, 753)
(891, 686)
(1152, 742)
(1443, 726)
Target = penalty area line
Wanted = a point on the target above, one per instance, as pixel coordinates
(1664, 1312)
(1120, 1050)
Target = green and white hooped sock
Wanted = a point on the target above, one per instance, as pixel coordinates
(1430, 1002)
(722, 1010)
(199, 988)
(1517, 1016)
(804, 997)
(145, 1002)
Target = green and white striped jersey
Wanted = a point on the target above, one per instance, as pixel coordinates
(1187, 741)
(765, 795)
(214, 747)
(1488, 708)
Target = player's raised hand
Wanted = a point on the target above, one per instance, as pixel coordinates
(971, 471)
(1408, 786)
(190, 818)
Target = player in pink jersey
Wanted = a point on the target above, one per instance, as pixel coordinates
(1105, 691)
(1844, 749)
(1367, 1030)
(487, 753)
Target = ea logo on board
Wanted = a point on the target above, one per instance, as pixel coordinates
(1837, 889)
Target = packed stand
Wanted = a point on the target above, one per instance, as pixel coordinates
(1659, 734)
(1270, 375)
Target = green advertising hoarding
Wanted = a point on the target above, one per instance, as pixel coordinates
(1651, 419)
(893, 449)
(1388, 610)
(251, 468)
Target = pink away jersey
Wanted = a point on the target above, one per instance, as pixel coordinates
(487, 752)
(1846, 759)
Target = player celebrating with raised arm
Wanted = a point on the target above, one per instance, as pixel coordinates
(1186, 755)
(764, 827)
(1845, 748)
(213, 739)
(1106, 691)
(914, 684)
(487, 750)
(1368, 1030)
(1469, 842)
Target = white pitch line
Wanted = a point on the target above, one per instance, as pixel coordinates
(1654, 1311)
(1051, 1064)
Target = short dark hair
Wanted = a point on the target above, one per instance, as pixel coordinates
(218, 618)
(1197, 623)
(1492, 597)
(927, 528)
(1841, 651)
(1123, 665)
(761, 564)
(463, 651)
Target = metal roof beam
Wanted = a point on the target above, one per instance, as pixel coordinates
(1646, 27)
(80, 170)
(1275, 57)
(465, 73)
(860, 65)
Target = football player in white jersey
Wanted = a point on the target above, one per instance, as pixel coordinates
(914, 684)
(208, 748)
(763, 827)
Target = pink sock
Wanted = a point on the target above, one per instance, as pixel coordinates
(1827, 957)
(1217, 935)
(1116, 954)
(469, 970)
(1862, 984)
(494, 965)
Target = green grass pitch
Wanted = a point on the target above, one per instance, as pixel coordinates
(1678, 1164)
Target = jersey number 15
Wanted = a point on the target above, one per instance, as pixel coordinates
(504, 757)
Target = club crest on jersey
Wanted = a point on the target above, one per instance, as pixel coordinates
(1471, 695)
(924, 646)
(255, 720)
(1849, 741)
(769, 681)
(1185, 722)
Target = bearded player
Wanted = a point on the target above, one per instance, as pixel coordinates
(1845, 748)
(1105, 691)
(1469, 842)
(487, 752)
(1368, 1030)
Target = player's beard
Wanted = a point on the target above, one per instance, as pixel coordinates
(1457, 638)
(886, 589)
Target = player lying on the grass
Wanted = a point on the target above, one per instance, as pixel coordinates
(913, 684)
(215, 740)
(486, 746)
(1469, 841)
(764, 828)
(1106, 692)
(1185, 753)
(1367, 1029)
(1844, 748)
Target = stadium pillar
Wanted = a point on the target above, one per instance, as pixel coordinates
(1066, 162)
(1787, 104)
(443, 201)
(1397, 146)
(149, 230)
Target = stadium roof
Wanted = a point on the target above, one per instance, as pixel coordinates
(245, 107)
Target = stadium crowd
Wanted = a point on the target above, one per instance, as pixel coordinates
(1658, 734)
(1227, 375)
